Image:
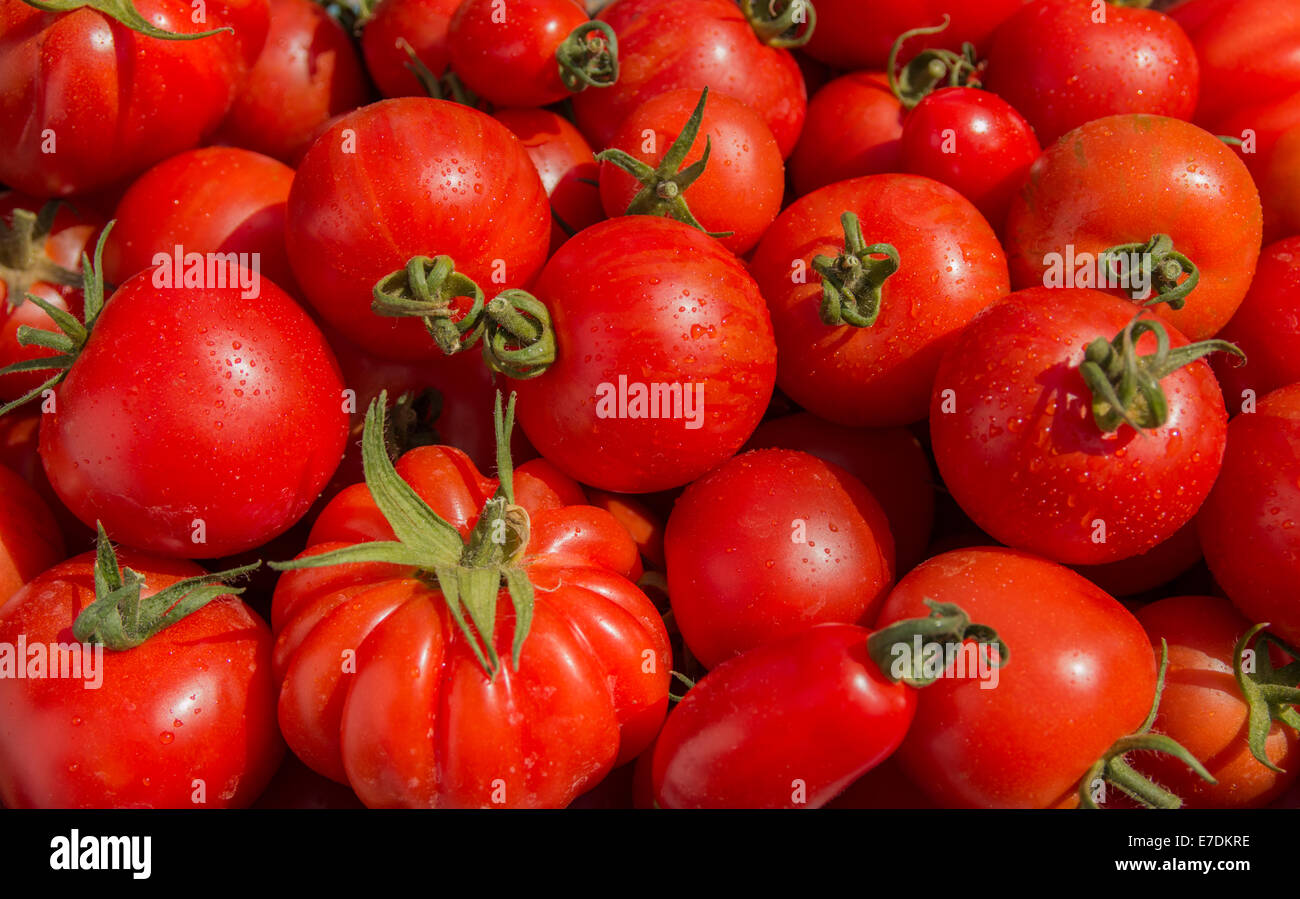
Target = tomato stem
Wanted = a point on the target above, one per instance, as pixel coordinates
(425, 289)
(1161, 265)
(1270, 693)
(791, 27)
(852, 281)
(447, 87)
(924, 72)
(947, 624)
(23, 259)
(588, 57)
(124, 12)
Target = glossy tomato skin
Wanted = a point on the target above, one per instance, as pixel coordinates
(650, 301)
(787, 725)
(1013, 433)
(590, 691)
(30, 540)
(55, 77)
(768, 544)
(307, 73)
(850, 35)
(423, 25)
(194, 702)
(212, 200)
(951, 268)
(853, 128)
(664, 45)
(1248, 525)
(972, 141)
(411, 177)
(1158, 565)
(741, 188)
(1203, 709)
(1100, 187)
(1267, 328)
(1076, 655)
(1133, 61)
(196, 422)
(507, 54)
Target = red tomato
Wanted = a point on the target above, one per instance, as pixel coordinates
(787, 725)
(853, 128)
(395, 24)
(644, 525)
(1076, 656)
(653, 320)
(214, 200)
(805, 543)
(411, 177)
(30, 540)
(1018, 444)
(75, 116)
(951, 267)
(1250, 525)
(665, 44)
(1099, 61)
(1097, 189)
(849, 36)
(566, 165)
(740, 187)
(308, 72)
(972, 141)
(1203, 709)
(184, 720)
(1266, 327)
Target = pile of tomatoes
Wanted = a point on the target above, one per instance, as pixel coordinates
(711, 403)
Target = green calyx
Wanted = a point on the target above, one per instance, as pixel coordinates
(1125, 386)
(946, 625)
(929, 69)
(121, 619)
(588, 57)
(23, 260)
(852, 281)
(469, 573)
(514, 327)
(72, 334)
(781, 23)
(1272, 694)
(663, 189)
(444, 87)
(123, 11)
(1162, 267)
(1112, 768)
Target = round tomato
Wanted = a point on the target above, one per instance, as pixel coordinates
(849, 36)
(1266, 327)
(30, 540)
(853, 128)
(395, 25)
(863, 370)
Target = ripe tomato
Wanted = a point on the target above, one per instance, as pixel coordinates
(742, 181)
(213, 200)
(850, 37)
(75, 117)
(185, 719)
(416, 721)
(411, 177)
(769, 544)
(1015, 430)
(950, 267)
(30, 540)
(787, 725)
(308, 72)
(853, 128)
(1250, 525)
(1203, 709)
(653, 320)
(1099, 188)
(665, 44)
(1266, 327)
(396, 24)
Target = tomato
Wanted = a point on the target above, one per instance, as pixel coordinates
(1016, 431)
(1103, 186)
(30, 540)
(185, 719)
(1267, 328)
(1203, 709)
(408, 177)
(889, 461)
(566, 165)
(1100, 61)
(849, 36)
(653, 320)
(1248, 525)
(74, 119)
(396, 24)
(214, 200)
(644, 524)
(950, 267)
(740, 187)
(1076, 656)
(787, 725)
(853, 128)
(417, 721)
(39, 255)
(769, 544)
(665, 44)
(308, 72)
(972, 141)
